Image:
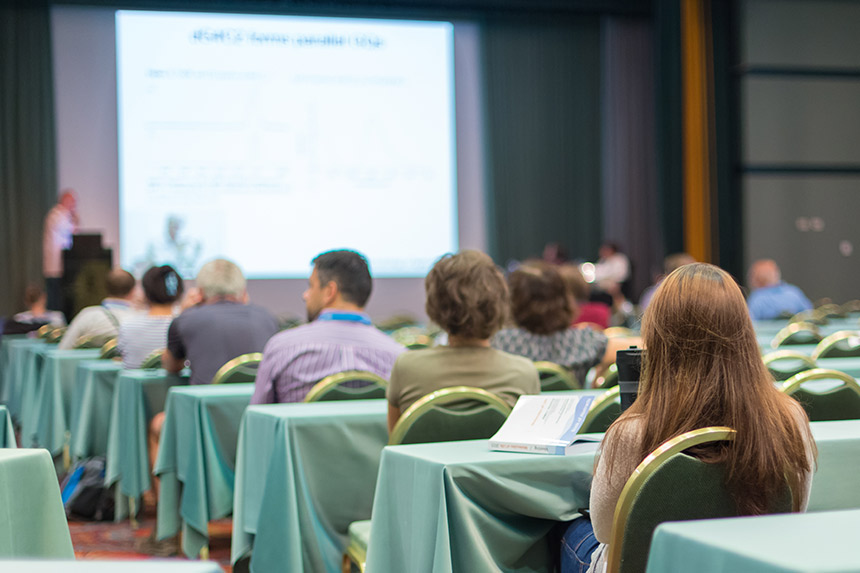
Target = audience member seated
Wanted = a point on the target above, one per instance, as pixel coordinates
(217, 323)
(670, 263)
(702, 368)
(770, 297)
(467, 297)
(611, 269)
(103, 321)
(141, 336)
(36, 315)
(593, 313)
(542, 307)
(340, 336)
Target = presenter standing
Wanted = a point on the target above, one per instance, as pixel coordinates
(60, 225)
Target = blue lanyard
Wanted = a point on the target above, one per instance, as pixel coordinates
(345, 316)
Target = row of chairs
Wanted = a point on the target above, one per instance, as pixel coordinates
(844, 343)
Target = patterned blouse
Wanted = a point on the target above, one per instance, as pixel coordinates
(577, 349)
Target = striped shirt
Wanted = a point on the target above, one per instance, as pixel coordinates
(296, 359)
(140, 337)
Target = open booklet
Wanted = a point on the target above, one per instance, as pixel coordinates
(544, 425)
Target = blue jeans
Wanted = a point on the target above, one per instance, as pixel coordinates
(577, 545)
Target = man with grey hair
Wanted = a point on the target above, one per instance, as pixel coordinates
(217, 323)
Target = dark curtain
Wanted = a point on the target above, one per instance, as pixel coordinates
(542, 118)
(630, 213)
(27, 166)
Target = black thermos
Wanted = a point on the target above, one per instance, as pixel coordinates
(629, 364)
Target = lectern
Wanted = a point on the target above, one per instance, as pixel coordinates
(85, 266)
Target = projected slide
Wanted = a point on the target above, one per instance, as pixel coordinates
(268, 139)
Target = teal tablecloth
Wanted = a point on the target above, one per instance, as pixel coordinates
(460, 507)
(46, 406)
(125, 566)
(138, 396)
(304, 472)
(790, 543)
(32, 521)
(7, 433)
(92, 397)
(198, 449)
(5, 346)
(16, 366)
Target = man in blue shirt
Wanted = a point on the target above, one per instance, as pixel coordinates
(770, 297)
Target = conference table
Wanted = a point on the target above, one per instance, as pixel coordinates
(100, 566)
(304, 472)
(458, 506)
(19, 360)
(32, 521)
(92, 398)
(789, 543)
(5, 353)
(198, 450)
(7, 433)
(137, 397)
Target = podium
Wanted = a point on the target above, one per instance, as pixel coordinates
(85, 266)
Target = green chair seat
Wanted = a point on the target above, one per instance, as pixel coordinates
(554, 377)
(604, 410)
(842, 344)
(838, 403)
(783, 364)
(152, 361)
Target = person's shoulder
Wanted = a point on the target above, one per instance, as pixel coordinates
(513, 361)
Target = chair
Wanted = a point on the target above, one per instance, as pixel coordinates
(604, 410)
(94, 341)
(792, 363)
(842, 344)
(554, 377)
(241, 369)
(109, 350)
(828, 311)
(152, 361)
(808, 316)
(796, 333)
(412, 337)
(851, 308)
(670, 485)
(610, 379)
(44, 330)
(838, 403)
(55, 335)
(450, 414)
(355, 556)
(335, 387)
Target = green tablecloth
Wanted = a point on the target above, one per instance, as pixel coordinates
(304, 472)
(5, 346)
(126, 566)
(16, 366)
(46, 406)
(32, 520)
(138, 396)
(7, 433)
(850, 366)
(198, 449)
(791, 543)
(460, 507)
(92, 397)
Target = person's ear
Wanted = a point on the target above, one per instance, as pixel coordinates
(330, 292)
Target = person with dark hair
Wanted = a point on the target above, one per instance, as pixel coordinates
(37, 312)
(102, 322)
(542, 309)
(591, 312)
(339, 337)
(702, 367)
(141, 336)
(467, 297)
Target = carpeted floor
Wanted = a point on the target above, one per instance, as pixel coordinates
(109, 540)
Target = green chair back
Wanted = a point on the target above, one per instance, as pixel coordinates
(796, 333)
(55, 335)
(109, 350)
(604, 410)
(783, 364)
(238, 370)
(829, 311)
(842, 344)
(451, 414)
(152, 361)
(839, 403)
(94, 341)
(671, 486)
(350, 385)
(610, 379)
(554, 377)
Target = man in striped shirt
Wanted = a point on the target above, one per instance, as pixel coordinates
(339, 336)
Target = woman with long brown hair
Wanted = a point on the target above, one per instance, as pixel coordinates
(702, 367)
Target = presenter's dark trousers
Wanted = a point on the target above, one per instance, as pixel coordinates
(53, 290)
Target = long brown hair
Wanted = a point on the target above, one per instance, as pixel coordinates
(703, 367)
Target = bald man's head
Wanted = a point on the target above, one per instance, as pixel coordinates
(764, 273)
(119, 283)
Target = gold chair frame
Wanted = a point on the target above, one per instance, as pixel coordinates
(231, 365)
(645, 470)
(333, 380)
(832, 340)
(798, 380)
(440, 398)
(546, 367)
(793, 328)
(149, 363)
(109, 350)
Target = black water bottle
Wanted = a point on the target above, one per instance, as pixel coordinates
(629, 364)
